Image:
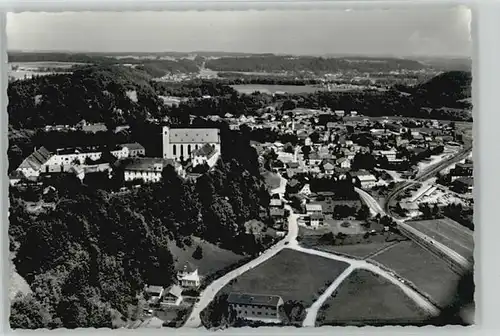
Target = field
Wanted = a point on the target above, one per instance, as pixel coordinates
(292, 275)
(449, 233)
(214, 258)
(427, 272)
(356, 245)
(366, 297)
(356, 250)
(271, 89)
(272, 180)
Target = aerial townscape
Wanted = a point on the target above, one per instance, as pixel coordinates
(211, 189)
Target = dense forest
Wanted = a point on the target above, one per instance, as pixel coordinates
(316, 65)
(87, 259)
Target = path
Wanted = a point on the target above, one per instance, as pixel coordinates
(312, 311)
(375, 207)
(207, 295)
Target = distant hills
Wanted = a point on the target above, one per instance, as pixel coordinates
(250, 62)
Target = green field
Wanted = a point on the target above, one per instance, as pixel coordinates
(366, 297)
(290, 274)
(427, 272)
(214, 258)
(270, 88)
(449, 233)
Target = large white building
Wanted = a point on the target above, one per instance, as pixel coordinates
(181, 142)
(149, 169)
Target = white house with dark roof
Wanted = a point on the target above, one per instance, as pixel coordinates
(181, 142)
(256, 307)
(188, 276)
(134, 149)
(206, 154)
(35, 162)
(148, 169)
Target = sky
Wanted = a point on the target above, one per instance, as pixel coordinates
(419, 31)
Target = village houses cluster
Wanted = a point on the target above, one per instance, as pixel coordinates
(183, 148)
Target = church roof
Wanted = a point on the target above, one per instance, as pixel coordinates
(194, 135)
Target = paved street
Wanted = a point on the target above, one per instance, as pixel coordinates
(209, 293)
(376, 208)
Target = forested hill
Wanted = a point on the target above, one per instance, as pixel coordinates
(94, 93)
(317, 65)
(445, 89)
(87, 259)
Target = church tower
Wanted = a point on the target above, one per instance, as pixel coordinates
(166, 142)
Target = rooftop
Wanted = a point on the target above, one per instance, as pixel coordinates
(133, 146)
(36, 159)
(254, 299)
(206, 150)
(313, 207)
(194, 135)
(148, 164)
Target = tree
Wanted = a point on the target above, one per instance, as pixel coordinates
(198, 253)
(363, 213)
(294, 311)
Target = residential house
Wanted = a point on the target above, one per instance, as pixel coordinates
(15, 177)
(278, 216)
(35, 162)
(173, 296)
(365, 181)
(464, 184)
(329, 168)
(312, 208)
(344, 163)
(134, 149)
(154, 292)
(94, 128)
(339, 113)
(206, 154)
(256, 306)
(314, 159)
(188, 276)
(389, 154)
(306, 190)
(411, 208)
(316, 220)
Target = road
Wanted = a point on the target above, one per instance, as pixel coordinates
(207, 295)
(376, 208)
(426, 174)
(290, 241)
(312, 311)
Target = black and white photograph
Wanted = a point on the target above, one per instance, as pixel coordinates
(224, 169)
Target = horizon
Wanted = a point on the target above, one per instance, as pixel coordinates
(422, 31)
(145, 53)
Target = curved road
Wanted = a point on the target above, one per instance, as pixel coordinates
(426, 174)
(207, 295)
(375, 207)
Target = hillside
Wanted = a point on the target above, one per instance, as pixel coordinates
(316, 65)
(448, 89)
(93, 93)
(213, 258)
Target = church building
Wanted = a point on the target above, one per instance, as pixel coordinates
(181, 142)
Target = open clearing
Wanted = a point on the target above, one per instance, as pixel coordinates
(272, 180)
(271, 89)
(214, 258)
(366, 297)
(291, 274)
(355, 245)
(449, 233)
(426, 271)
